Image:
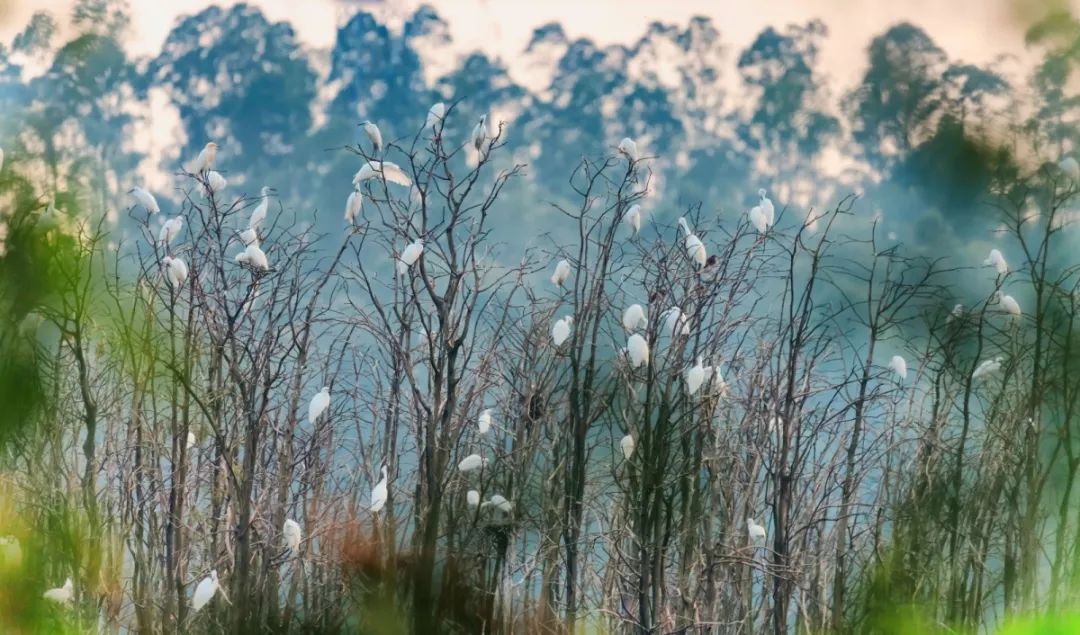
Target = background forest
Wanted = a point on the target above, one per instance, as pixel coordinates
(856, 419)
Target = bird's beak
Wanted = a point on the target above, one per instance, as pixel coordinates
(273, 189)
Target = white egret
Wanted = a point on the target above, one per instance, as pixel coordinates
(353, 205)
(435, 117)
(254, 257)
(957, 312)
(410, 255)
(176, 271)
(628, 147)
(638, 350)
(987, 367)
(561, 330)
(472, 498)
(146, 199)
(191, 440)
(758, 219)
(373, 135)
(675, 322)
(632, 217)
(258, 215)
(61, 595)
(1070, 167)
(471, 463)
(483, 422)
(206, 158)
(379, 493)
(627, 445)
(756, 532)
(499, 502)
(480, 133)
(1008, 304)
(215, 181)
(996, 260)
(248, 236)
(170, 229)
(696, 376)
(319, 403)
(765, 203)
(899, 366)
(695, 249)
(392, 172)
(562, 272)
(204, 592)
(292, 534)
(634, 317)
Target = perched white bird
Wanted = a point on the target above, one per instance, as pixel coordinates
(957, 311)
(191, 440)
(379, 493)
(561, 330)
(410, 255)
(215, 181)
(483, 422)
(695, 249)
(499, 502)
(996, 260)
(61, 595)
(638, 350)
(392, 172)
(899, 366)
(176, 271)
(254, 257)
(206, 158)
(170, 229)
(471, 463)
(480, 133)
(204, 592)
(373, 135)
(1070, 167)
(319, 403)
(292, 534)
(696, 376)
(675, 322)
(146, 199)
(353, 205)
(435, 117)
(765, 203)
(756, 532)
(258, 215)
(634, 318)
(627, 445)
(249, 236)
(632, 217)
(758, 219)
(562, 272)
(472, 498)
(987, 367)
(1008, 304)
(628, 147)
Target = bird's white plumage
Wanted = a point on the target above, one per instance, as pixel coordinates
(483, 422)
(191, 440)
(561, 330)
(61, 595)
(632, 217)
(758, 219)
(292, 534)
(410, 255)
(472, 463)
(695, 249)
(258, 215)
(766, 205)
(1008, 304)
(170, 229)
(353, 204)
(629, 147)
(392, 172)
(997, 261)
(899, 366)
(695, 377)
(146, 199)
(435, 117)
(176, 271)
(634, 318)
(472, 498)
(254, 257)
(627, 446)
(208, 586)
(380, 492)
(215, 181)
(675, 322)
(319, 403)
(638, 350)
(205, 160)
(374, 135)
(480, 134)
(987, 367)
(755, 531)
(561, 273)
(499, 502)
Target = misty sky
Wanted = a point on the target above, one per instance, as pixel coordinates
(971, 30)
